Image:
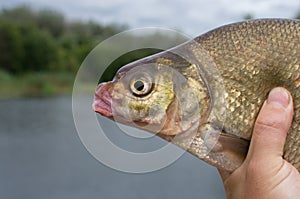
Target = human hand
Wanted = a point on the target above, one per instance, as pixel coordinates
(264, 173)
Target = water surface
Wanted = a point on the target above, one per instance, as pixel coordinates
(42, 157)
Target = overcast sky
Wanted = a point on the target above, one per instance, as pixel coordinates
(190, 16)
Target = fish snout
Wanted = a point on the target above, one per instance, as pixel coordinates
(103, 100)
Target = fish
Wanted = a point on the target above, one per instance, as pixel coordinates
(205, 94)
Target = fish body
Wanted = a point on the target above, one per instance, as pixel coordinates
(205, 95)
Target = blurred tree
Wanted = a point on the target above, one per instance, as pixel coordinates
(134, 55)
(51, 21)
(110, 30)
(248, 16)
(11, 47)
(67, 59)
(32, 40)
(21, 15)
(298, 15)
(40, 51)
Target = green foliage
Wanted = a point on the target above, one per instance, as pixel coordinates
(43, 41)
(51, 21)
(297, 16)
(125, 59)
(248, 16)
(41, 51)
(4, 76)
(35, 84)
(21, 15)
(11, 47)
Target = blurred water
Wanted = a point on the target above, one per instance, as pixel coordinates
(41, 156)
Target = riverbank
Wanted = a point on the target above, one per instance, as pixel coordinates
(36, 84)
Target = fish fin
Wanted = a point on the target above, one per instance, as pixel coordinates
(230, 151)
(234, 143)
(222, 150)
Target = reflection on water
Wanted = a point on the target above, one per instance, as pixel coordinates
(42, 157)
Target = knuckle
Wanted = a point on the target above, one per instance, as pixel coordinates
(271, 123)
(264, 125)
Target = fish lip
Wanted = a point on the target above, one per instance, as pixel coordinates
(103, 105)
(103, 100)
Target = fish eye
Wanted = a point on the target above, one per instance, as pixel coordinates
(141, 85)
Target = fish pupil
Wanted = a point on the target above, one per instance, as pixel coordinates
(139, 85)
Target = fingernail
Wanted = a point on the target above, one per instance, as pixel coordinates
(279, 96)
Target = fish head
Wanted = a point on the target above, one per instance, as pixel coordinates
(166, 95)
(155, 94)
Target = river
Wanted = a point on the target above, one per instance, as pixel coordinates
(42, 157)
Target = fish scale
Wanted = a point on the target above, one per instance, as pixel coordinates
(229, 71)
(264, 54)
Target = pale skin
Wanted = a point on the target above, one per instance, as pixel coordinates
(265, 174)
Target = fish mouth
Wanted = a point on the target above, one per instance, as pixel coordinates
(103, 105)
(103, 100)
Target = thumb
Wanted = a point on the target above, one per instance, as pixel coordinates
(271, 126)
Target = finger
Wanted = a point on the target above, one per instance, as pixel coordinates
(272, 125)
